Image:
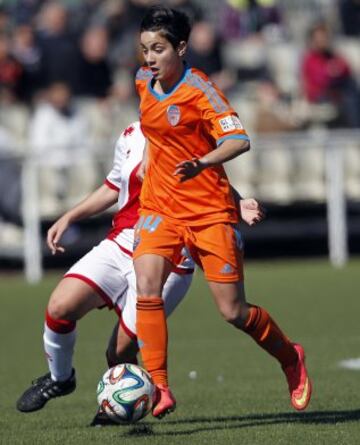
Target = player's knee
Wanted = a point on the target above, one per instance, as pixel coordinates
(147, 285)
(236, 315)
(58, 310)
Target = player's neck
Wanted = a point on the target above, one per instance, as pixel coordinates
(165, 85)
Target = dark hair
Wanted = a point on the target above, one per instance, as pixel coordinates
(174, 25)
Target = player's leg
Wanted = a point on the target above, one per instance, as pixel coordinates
(157, 245)
(223, 270)
(91, 283)
(256, 322)
(121, 347)
(70, 300)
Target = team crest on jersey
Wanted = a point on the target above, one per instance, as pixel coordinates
(173, 115)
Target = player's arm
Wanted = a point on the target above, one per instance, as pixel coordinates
(229, 149)
(98, 201)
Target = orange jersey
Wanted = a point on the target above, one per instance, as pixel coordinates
(189, 121)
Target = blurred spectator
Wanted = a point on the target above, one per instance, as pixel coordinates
(327, 78)
(350, 17)
(273, 112)
(123, 21)
(94, 71)
(204, 53)
(57, 128)
(59, 139)
(27, 53)
(4, 21)
(191, 8)
(58, 46)
(23, 11)
(11, 72)
(244, 18)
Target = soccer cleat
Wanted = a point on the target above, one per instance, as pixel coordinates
(101, 419)
(299, 383)
(164, 403)
(42, 390)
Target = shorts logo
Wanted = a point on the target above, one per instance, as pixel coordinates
(227, 269)
(230, 123)
(173, 115)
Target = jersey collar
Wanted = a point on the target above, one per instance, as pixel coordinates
(164, 96)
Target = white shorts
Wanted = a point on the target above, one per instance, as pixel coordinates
(110, 272)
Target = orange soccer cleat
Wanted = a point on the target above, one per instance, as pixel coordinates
(299, 383)
(164, 403)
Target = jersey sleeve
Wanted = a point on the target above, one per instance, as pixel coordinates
(220, 120)
(142, 77)
(113, 179)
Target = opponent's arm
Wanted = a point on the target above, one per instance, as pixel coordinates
(98, 201)
(229, 149)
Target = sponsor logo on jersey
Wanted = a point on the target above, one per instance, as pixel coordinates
(230, 123)
(173, 115)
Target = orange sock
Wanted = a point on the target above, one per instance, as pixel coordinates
(267, 334)
(152, 337)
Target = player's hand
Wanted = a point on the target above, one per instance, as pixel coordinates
(251, 211)
(189, 169)
(55, 233)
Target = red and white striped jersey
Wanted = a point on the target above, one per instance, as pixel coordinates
(129, 150)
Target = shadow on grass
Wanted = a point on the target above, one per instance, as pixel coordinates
(197, 424)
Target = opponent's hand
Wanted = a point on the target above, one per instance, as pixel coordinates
(189, 169)
(55, 233)
(251, 211)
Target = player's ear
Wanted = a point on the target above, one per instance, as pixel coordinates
(181, 49)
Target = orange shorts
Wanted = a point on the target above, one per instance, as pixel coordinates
(216, 248)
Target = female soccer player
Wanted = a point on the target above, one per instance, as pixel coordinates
(186, 200)
(105, 276)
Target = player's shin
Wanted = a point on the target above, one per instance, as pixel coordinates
(267, 334)
(59, 341)
(152, 337)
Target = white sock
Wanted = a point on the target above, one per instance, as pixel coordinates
(59, 349)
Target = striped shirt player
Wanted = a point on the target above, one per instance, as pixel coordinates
(103, 277)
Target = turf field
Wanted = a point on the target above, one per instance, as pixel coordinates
(239, 395)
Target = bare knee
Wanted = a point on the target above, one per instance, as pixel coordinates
(58, 310)
(148, 285)
(235, 315)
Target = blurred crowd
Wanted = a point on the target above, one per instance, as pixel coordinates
(67, 68)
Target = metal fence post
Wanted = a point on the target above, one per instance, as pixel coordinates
(31, 219)
(336, 203)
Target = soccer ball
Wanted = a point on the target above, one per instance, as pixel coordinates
(126, 393)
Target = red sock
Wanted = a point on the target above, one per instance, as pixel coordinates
(263, 329)
(152, 337)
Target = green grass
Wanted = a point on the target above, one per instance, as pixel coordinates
(239, 395)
